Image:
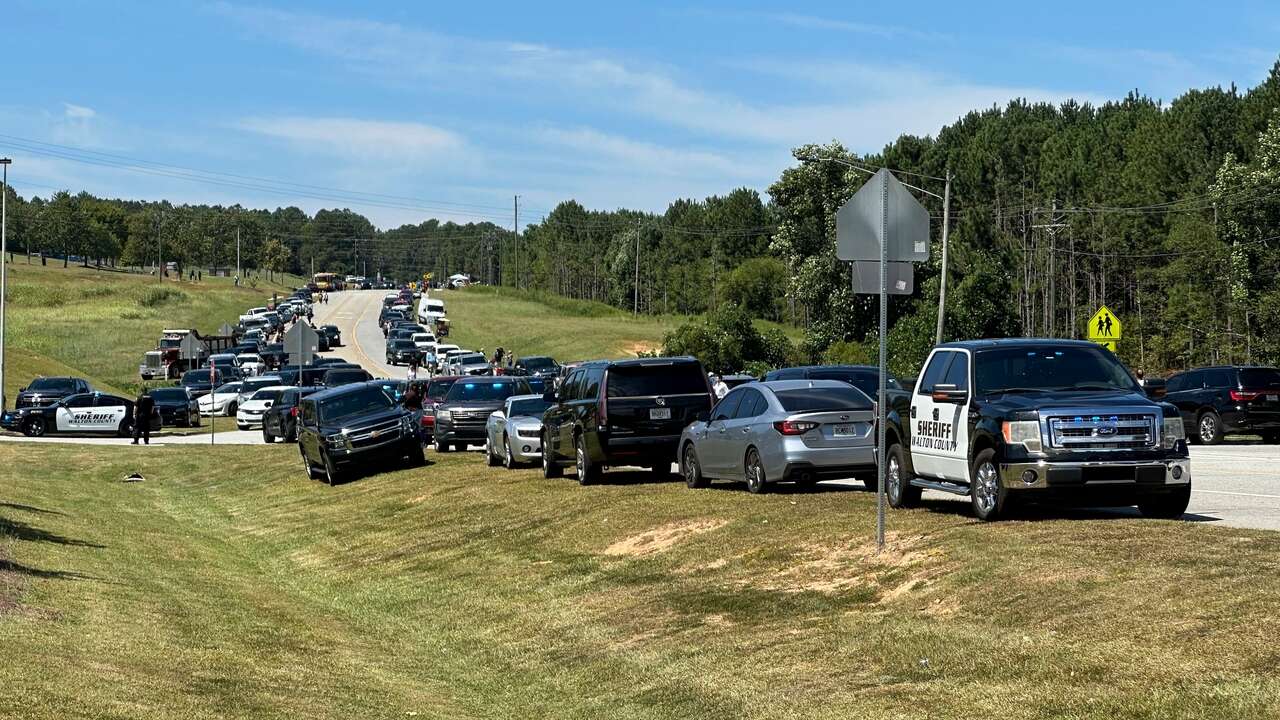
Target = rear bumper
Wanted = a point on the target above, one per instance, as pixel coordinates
(1102, 477)
(637, 450)
(800, 470)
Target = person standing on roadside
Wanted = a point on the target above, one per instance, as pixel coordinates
(413, 368)
(142, 409)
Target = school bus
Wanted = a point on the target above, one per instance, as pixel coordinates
(326, 282)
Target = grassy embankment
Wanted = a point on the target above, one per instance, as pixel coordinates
(97, 324)
(535, 323)
(228, 586)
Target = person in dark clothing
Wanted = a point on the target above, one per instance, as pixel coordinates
(142, 408)
(412, 401)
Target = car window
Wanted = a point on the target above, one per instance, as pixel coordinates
(683, 378)
(591, 382)
(1051, 368)
(934, 373)
(1176, 383)
(532, 407)
(170, 394)
(819, 399)
(483, 391)
(1259, 378)
(957, 374)
(54, 385)
(1219, 378)
(569, 390)
(1195, 380)
(309, 413)
(350, 404)
(109, 401)
(752, 405)
(727, 407)
(80, 401)
(867, 382)
(438, 389)
(271, 395)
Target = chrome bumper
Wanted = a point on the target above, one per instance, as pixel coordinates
(1011, 474)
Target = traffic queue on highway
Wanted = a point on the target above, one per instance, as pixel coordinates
(1001, 422)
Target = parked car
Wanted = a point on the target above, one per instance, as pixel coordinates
(535, 366)
(90, 412)
(433, 394)
(513, 435)
(345, 376)
(281, 419)
(471, 364)
(176, 406)
(864, 377)
(220, 401)
(354, 424)
(249, 386)
(799, 431)
(49, 390)
(201, 381)
(401, 352)
(332, 333)
(624, 412)
(1227, 400)
(249, 414)
(460, 418)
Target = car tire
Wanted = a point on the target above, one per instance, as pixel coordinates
(196, 421)
(897, 481)
(586, 471)
(490, 459)
(550, 468)
(1209, 428)
(332, 474)
(691, 468)
(508, 457)
(267, 437)
(306, 465)
(124, 430)
(1167, 507)
(988, 496)
(440, 447)
(229, 409)
(35, 427)
(753, 473)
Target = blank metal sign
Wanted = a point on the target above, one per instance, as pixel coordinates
(883, 200)
(901, 278)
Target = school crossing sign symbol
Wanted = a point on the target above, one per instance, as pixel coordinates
(1105, 328)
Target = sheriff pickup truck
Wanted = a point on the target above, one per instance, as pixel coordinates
(1037, 421)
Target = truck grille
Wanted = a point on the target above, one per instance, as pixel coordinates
(378, 434)
(1102, 431)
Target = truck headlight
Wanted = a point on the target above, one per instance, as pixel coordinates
(337, 440)
(442, 415)
(1022, 432)
(1172, 432)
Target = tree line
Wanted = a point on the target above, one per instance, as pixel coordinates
(1168, 213)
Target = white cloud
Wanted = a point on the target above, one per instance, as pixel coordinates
(78, 112)
(354, 139)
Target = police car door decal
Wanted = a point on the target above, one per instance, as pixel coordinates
(98, 419)
(62, 418)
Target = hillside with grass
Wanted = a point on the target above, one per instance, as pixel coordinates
(225, 585)
(98, 323)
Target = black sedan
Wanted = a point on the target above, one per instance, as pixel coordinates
(176, 406)
(90, 412)
(49, 390)
(354, 425)
(460, 419)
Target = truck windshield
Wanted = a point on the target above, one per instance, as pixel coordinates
(1049, 369)
(360, 402)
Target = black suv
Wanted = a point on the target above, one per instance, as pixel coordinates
(623, 412)
(332, 333)
(535, 366)
(461, 417)
(354, 425)
(1227, 400)
(337, 376)
(281, 419)
(49, 390)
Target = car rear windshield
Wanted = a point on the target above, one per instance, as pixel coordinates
(169, 394)
(272, 394)
(1021, 369)
(820, 399)
(645, 380)
(404, 345)
(344, 374)
(481, 391)
(1258, 378)
(472, 359)
(867, 382)
(538, 363)
(438, 389)
(53, 385)
(197, 376)
(357, 402)
(533, 407)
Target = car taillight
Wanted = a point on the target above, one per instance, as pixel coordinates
(1243, 395)
(428, 421)
(794, 427)
(293, 411)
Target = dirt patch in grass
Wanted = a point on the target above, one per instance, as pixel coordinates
(904, 567)
(636, 348)
(651, 542)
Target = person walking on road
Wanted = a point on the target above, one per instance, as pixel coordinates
(142, 409)
(413, 369)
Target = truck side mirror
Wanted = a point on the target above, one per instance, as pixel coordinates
(950, 394)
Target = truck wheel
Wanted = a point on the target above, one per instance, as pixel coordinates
(550, 468)
(306, 465)
(35, 427)
(332, 474)
(1209, 429)
(490, 458)
(897, 482)
(691, 469)
(1167, 507)
(754, 471)
(267, 438)
(440, 447)
(988, 495)
(588, 472)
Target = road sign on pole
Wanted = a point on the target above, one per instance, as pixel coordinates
(882, 210)
(191, 349)
(301, 342)
(226, 330)
(1105, 328)
(882, 229)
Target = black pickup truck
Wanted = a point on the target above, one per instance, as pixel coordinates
(1041, 421)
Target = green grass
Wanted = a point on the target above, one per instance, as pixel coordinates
(97, 324)
(228, 586)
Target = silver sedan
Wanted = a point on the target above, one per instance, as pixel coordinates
(513, 435)
(799, 431)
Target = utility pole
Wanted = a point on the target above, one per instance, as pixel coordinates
(515, 234)
(946, 224)
(635, 310)
(237, 254)
(4, 275)
(160, 248)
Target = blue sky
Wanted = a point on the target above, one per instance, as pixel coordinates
(453, 108)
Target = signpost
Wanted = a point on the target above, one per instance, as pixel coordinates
(226, 330)
(192, 349)
(882, 229)
(301, 343)
(1105, 328)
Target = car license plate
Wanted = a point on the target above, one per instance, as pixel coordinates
(842, 430)
(1273, 398)
(659, 413)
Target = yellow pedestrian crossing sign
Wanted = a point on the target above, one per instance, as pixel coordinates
(1105, 328)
